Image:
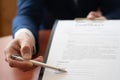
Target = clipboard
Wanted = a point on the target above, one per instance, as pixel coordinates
(47, 50)
(106, 46)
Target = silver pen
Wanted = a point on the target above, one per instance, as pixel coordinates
(16, 57)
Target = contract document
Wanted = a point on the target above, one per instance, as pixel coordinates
(87, 50)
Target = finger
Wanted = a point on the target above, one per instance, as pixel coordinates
(39, 58)
(96, 14)
(23, 65)
(26, 50)
(12, 48)
(102, 18)
(93, 15)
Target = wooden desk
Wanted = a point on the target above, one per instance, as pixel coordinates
(8, 73)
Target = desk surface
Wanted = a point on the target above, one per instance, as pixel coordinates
(8, 73)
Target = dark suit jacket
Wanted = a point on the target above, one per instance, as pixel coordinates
(34, 13)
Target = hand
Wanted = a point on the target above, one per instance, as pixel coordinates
(95, 15)
(22, 45)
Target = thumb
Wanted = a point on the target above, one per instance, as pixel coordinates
(26, 50)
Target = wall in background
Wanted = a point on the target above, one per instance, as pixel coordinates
(7, 13)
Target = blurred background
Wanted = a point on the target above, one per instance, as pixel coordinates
(7, 13)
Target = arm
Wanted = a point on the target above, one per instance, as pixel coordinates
(111, 9)
(115, 14)
(29, 15)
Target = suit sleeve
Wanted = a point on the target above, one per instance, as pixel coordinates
(111, 9)
(115, 14)
(29, 16)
